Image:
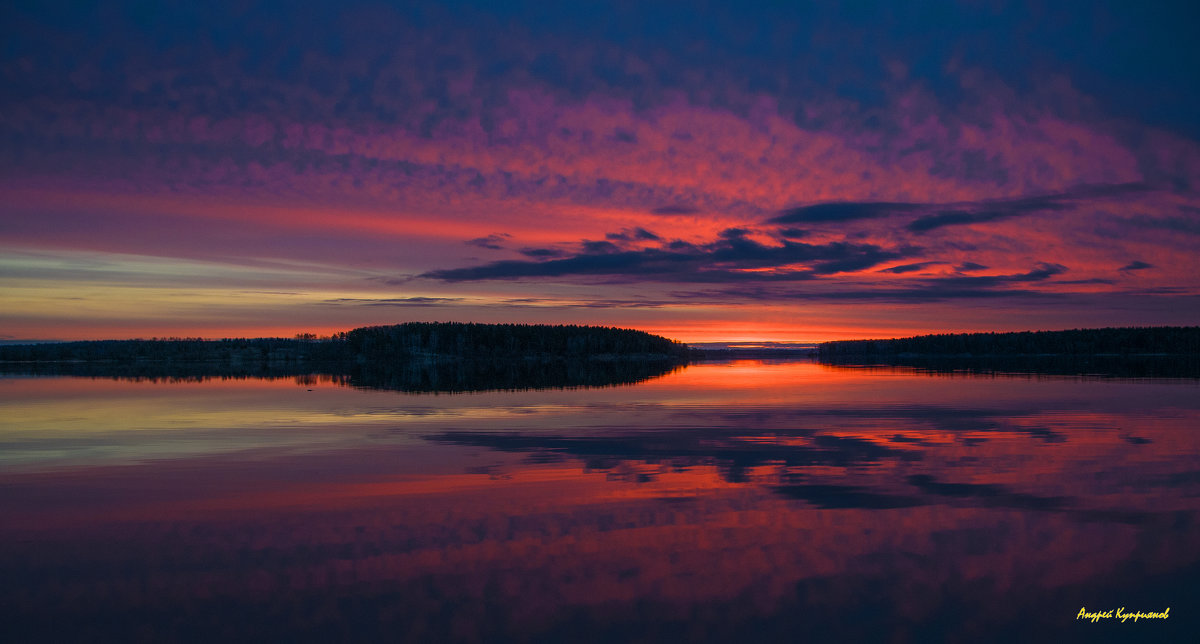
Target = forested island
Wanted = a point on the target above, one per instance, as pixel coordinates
(414, 356)
(1120, 352)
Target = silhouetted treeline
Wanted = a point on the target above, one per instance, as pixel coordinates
(1125, 341)
(1104, 366)
(178, 370)
(474, 341)
(368, 344)
(238, 352)
(405, 357)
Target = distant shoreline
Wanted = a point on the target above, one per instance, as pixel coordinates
(424, 356)
(1125, 352)
(1108, 341)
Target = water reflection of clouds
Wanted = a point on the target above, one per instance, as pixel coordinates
(557, 553)
(886, 456)
(942, 509)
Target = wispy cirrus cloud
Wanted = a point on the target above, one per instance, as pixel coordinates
(494, 241)
(674, 210)
(954, 287)
(633, 234)
(1185, 223)
(402, 302)
(843, 211)
(926, 217)
(908, 268)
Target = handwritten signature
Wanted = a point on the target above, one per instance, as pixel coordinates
(1121, 614)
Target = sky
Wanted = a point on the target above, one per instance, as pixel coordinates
(741, 171)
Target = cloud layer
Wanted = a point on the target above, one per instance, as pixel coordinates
(436, 158)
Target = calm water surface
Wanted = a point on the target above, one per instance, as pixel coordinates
(737, 501)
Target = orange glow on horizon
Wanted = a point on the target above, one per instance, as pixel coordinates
(701, 332)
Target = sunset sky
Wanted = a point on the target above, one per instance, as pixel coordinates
(707, 171)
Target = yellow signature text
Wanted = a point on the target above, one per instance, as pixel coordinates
(1121, 614)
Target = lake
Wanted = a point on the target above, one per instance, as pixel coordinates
(742, 500)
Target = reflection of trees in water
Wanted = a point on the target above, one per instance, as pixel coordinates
(1097, 366)
(418, 375)
(490, 375)
(182, 371)
(1124, 341)
(414, 356)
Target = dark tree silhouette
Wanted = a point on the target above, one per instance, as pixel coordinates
(416, 356)
(1126, 341)
(1132, 352)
